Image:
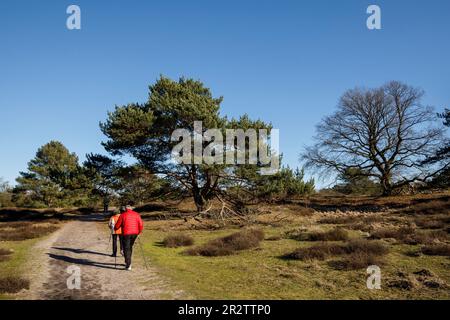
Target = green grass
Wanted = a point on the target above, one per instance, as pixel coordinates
(261, 274)
(16, 264)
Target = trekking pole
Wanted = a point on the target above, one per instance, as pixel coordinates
(142, 252)
(109, 242)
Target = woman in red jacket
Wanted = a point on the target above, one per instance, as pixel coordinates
(132, 226)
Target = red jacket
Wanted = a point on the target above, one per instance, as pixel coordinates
(130, 222)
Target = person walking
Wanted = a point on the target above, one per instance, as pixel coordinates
(132, 226)
(116, 234)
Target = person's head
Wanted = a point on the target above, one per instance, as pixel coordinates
(123, 209)
(128, 207)
(113, 213)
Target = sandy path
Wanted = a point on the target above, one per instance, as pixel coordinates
(85, 244)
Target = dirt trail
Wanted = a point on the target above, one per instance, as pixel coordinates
(85, 245)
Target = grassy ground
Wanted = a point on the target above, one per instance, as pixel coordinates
(404, 225)
(261, 273)
(14, 265)
(19, 237)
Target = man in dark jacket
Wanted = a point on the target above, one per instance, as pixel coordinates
(132, 226)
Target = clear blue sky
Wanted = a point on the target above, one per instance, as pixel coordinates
(282, 61)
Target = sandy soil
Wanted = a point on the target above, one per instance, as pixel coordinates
(85, 244)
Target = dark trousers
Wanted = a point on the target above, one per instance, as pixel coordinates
(128, 242)
(114, 243)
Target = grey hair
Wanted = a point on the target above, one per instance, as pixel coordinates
(128, 207)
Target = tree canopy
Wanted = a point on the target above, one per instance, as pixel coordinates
(145, 131)
(54, 178)
(384, 133)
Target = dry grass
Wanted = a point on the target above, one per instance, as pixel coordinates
(178, 240)
(437, 250)
(357, 260)
(402, 283)
(18, 231)
(13, 284)
(357, 249)
(366, 246)
(394, 233)
(431, 223)
(336, 234)
(400, 201)
(317, 252)
(440, 206)
(352, 219)
(228, 245)
(336, 220)
(364, 222)
(274, 238)
(409, 235)
(5, 254)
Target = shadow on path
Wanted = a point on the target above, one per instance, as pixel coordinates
(81, 251)
(86, 262)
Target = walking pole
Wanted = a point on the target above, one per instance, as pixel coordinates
(109, 242)
(142, 252)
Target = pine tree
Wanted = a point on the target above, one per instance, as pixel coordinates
(54, 178)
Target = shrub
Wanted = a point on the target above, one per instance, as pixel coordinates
(357, 260)
(337, 234)
(429, 208)
(242, 240)
(427, 237)
(395, 233)
(318, 252)
(5, 254)
(25, 230)
(409, 235)
(437, 250)
(427, 223)
(178, 240)
(336, 220)
(13, 284)
(403, 283)
(325, 250)
(274, 238)
(365, 246)
(210, 250)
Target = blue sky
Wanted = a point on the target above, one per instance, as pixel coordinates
(286, 62)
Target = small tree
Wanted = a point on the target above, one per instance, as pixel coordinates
(384, 133)
(284, 184)
(353, 181)
(104, 175)
(53, 178)
(5, 193)
(442, 158)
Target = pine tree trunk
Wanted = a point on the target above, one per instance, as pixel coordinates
(200, 202)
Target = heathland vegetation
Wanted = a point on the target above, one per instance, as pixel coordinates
(223, 230)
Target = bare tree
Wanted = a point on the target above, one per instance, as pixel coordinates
(385, 133)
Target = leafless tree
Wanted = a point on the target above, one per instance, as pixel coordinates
(384, 132)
